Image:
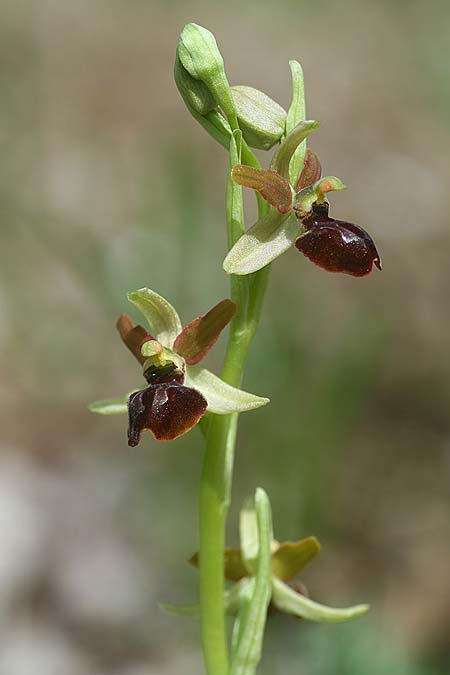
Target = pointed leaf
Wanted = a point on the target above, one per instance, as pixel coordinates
(287, 600)
(111, 406)
(311, 172)
(282, 158)
(296, 114)
(291, 557)
(267, 239)
(163, 319)
(222, 398)
(235, 569)
(251, 630)
(274, 188)
(199, 336)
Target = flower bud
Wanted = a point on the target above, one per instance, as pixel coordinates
(261, 119)
(195, 93)
(200, 56)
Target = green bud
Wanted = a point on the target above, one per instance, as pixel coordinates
(261, 119)
(195, 93)
(200, 56)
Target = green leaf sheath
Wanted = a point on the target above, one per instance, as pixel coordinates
(248, 646)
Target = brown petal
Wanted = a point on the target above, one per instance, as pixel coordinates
(311, 172)
(167, 410)
(271, 186)
(199, 336)
(291, 557)
(133, 336)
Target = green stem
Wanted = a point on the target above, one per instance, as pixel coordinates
(215, 488)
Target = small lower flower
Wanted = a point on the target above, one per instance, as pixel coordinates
(178, 391)
(242, 566)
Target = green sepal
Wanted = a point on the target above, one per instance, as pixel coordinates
(267, 239)
(222, 398)
(315, 194)
(162, 318)
(287, 600)
(194, 92)
(282, 158)
(261, 119)
(291, 557)
(296, 114)
(111, 406)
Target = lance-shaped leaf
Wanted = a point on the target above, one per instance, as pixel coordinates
(111, 406)
(291, 557)
(248, 643)
(296, 114)
(222, 398)
(267, 239)
(234, 566)
(311, 172)
(201, 334)
(163, 319)
(271, 186)
(287, 600)
(282, 158)
(133, 336)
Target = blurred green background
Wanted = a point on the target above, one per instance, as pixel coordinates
(107, 185)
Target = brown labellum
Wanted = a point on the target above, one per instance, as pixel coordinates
(337, 246)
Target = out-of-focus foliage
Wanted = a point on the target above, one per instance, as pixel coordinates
(103, 190)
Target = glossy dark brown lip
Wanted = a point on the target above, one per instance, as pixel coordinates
(337, 245)
(168, 410)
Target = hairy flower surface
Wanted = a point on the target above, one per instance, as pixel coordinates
(179, 391)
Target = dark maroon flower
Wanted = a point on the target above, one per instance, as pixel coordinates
(337, 246)
(166, 407)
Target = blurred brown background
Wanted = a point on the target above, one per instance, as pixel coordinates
(107, 185)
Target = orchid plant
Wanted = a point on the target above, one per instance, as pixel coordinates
(259, 577)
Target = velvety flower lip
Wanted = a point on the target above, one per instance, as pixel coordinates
(336, 245)
(168, 410)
